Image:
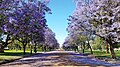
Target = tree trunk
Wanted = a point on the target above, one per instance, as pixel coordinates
(24, 48)
(46, 48)
(1, 49)
(83, 48)
(4, 44)
(43, 48)
(112, 51)
(111, 48)
(35, 49)
(107, 49)
(90, 47)
(30, 49)
(76, 48)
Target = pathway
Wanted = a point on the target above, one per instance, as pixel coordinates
(58, 59)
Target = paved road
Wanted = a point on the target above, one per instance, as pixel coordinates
(57, 59)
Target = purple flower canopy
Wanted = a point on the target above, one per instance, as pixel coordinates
(24, 18)
(96, 17)
(50, 39)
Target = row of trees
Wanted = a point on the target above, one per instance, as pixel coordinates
(23, 20)
(50, 40)
(96, 18)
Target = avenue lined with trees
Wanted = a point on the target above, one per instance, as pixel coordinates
(93, 27)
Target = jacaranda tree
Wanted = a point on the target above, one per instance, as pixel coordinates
(105, 17)
(79, 26)
(101, 18)
(6, 7)
(26, 21)
(50, 40)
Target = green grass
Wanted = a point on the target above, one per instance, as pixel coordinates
(103, 54)
(12, 54)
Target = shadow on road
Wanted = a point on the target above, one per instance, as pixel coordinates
(53, 58)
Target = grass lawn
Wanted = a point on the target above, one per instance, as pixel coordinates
(12, 54)
(100, 54)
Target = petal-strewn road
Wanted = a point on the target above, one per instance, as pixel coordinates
(57, 59)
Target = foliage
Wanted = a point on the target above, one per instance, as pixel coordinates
(105, 18)
(79, 28)
(98, 43)
(25, 20)
(50, 39)
(97, 17)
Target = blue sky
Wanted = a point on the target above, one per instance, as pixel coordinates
(57, 21)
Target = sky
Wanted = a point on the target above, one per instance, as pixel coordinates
(57, 21)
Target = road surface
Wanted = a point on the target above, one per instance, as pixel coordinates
(58, 59)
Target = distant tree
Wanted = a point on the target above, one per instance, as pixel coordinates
(98, 43)
(79, 23)
(50, 40)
